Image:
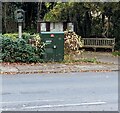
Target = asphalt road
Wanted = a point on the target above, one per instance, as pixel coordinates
(88, 91)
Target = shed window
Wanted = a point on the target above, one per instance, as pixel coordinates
(64, 26)
(48, 26)
(53, 25)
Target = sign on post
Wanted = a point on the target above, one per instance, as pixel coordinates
(20, 18)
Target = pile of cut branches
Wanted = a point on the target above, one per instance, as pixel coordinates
(73, 43)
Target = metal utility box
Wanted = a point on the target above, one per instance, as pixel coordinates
(54, 45)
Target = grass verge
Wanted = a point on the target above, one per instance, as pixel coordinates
(70, 59)
(116, 53)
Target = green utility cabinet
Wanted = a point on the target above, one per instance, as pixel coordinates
(54, 46)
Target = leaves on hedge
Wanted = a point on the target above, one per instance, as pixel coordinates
(20, 51)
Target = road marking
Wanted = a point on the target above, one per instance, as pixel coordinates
(64, 105)
(56, 105)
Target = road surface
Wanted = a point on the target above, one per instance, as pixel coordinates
(88, 91)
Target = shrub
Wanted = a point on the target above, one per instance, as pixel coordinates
(20, 51)
(25, 36)
(117, 45)
(11, 35)
(116, 53)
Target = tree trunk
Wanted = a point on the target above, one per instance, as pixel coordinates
(4, 16)
(38, 16)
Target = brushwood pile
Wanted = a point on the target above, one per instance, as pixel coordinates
(73, 43)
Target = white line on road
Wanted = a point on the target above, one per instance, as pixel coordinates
(57, 105)
(64, 105)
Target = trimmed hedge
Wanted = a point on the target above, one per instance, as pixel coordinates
(18, 50)
(25, 36)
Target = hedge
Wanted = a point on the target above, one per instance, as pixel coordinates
(18, 50)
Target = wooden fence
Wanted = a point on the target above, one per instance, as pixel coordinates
(99, 43)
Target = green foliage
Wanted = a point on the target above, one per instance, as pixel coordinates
(31, 30)
(116, 28)
(117, 53)
(117, 45)
(70, 59)
(90, 18)
(91, 60)
(19, 51)
(55, 14)
(14, 36)
(11, 35)
(26, 36)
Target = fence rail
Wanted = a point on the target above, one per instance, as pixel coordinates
(99, 43)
